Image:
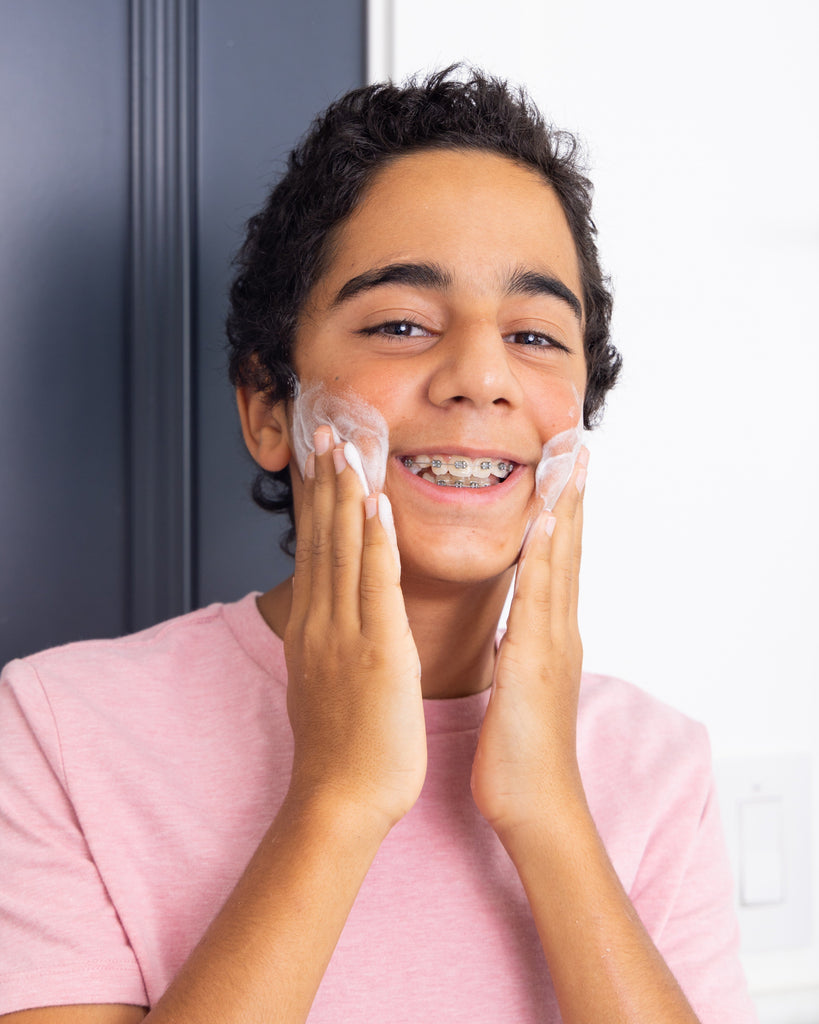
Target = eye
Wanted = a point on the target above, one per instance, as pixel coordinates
(397, 329)
(535, 339)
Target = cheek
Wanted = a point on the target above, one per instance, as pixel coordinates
(557, 409)
(376, 382)
(382, 385)
(393, 394)
(562, 434)
(351, 417)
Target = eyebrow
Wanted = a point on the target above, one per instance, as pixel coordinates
(416, 275)
(430, 275)
(531, 282)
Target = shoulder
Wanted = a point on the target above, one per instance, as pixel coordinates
(164, 636)
(646, 766)
(188, 642)
(159, 674)
(202, 697)
(648, 776)
(616, 716)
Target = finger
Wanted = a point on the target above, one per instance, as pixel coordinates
(348, 529)
(566, 546)
(547, 577)
(577, 551)
(530, 612)
(381, 597)
(323, 509)
(577, 554)
(304, 542)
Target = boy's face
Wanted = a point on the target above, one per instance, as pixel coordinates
(452, 304)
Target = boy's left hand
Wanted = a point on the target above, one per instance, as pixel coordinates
(526, 758)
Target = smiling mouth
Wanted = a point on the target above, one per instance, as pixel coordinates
(459, 470)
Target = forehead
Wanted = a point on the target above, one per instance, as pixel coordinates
(477, 214)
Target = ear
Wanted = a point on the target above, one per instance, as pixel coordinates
(264, 428)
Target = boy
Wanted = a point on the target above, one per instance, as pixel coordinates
(306, 804)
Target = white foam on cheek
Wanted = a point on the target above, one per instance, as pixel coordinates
(351, 419)
(556, 464)
(558, 458)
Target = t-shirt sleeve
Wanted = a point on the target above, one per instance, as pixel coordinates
(61, 939)
(685, 891)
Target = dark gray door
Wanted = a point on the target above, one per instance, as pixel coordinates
(136, 140)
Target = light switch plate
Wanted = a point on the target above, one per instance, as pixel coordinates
(761, 852)
(765, 803)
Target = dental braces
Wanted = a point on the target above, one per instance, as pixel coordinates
(441, 482)
(461, 466)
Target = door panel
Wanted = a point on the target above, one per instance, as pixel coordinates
(141, 137)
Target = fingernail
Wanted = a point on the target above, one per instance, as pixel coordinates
(310, 465)
(583, 457)
(338, 460)
(385, 513)
(353, 458)
(370, 506)
(322, 439)
(580, 480)
(549, 525)
(387, 521)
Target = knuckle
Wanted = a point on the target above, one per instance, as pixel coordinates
(302, 558)
(372, 588)
(541, 603)
(342, 560)
(320, 543)
(567, 576)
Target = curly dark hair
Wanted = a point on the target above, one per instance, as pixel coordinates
(288, 243)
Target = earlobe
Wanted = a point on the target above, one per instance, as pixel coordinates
(264, 428)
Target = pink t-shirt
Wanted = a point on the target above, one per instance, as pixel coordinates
(138, 775)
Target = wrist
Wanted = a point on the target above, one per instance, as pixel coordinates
(549, 818)
(329, 810)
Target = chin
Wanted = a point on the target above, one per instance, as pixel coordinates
(461, 562)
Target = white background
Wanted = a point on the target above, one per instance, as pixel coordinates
(701, 553)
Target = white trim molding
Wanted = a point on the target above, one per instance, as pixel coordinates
(380, 49)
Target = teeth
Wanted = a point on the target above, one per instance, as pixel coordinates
(458, 470)
(454, 481)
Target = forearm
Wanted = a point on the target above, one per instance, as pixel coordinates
(264, 955)
(355, 710)
(603, 964)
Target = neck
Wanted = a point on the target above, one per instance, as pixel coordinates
(454, 626)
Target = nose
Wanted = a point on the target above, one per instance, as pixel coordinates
(473, 365)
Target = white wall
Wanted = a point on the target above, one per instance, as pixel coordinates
(701, 550)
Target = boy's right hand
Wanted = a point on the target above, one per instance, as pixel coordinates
(354, 689)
